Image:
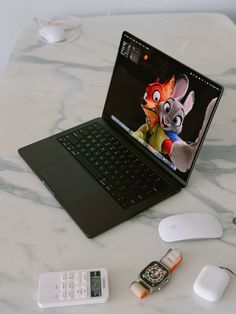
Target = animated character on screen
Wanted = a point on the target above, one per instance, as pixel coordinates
(154, 94)
(172, 113)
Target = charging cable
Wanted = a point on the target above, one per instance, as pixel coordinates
(229, 270)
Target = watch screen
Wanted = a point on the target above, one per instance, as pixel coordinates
(154, 274)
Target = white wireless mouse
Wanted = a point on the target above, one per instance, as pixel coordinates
(189, 226)
(52, 34)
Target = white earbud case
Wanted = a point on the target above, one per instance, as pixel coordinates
(211, 283)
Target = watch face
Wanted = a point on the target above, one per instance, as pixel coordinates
(154, 274)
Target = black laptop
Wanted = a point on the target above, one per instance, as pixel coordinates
(143, 148)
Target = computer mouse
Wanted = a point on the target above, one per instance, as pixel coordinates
(52, 34)
(189, 226)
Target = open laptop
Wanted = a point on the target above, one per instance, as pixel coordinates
(143, 148)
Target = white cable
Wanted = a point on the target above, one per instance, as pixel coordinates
(109, 5)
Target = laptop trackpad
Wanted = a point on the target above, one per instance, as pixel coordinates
(68, 180)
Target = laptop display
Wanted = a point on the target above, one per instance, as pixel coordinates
(163, 104)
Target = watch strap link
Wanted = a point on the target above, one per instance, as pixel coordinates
(172, 259)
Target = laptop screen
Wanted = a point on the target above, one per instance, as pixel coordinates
(161, 103)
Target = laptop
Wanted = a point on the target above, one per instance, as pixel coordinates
(143, 148)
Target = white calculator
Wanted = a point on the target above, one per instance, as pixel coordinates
(76, 287)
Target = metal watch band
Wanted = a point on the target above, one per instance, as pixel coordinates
(172, 259)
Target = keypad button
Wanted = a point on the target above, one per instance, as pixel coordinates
(62, 285)
(69, 294)
(64, 276)
(62, 295)
(77, 279)
(70, 276)
(84, 277)
(81, 292)
(69, 285)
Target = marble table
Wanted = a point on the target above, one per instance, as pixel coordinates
(47, 89)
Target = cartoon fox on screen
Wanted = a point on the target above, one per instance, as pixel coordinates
(154, 94)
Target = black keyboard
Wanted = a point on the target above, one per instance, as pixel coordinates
(125, 177)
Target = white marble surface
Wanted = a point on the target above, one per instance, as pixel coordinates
(47, 89)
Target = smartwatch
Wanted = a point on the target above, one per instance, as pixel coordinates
(156, 274)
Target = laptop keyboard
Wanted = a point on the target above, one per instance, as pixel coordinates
(125, 177)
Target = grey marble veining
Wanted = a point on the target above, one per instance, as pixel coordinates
(47, 89)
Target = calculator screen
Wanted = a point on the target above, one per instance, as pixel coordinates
(95, 284)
